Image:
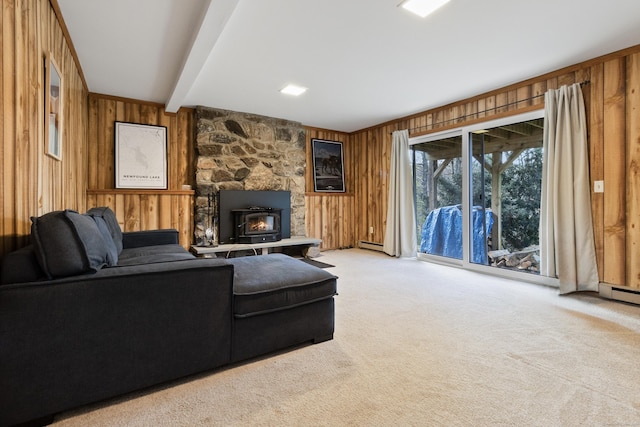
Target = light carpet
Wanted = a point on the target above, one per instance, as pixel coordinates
(418, 344)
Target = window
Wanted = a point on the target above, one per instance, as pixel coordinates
(477, 193)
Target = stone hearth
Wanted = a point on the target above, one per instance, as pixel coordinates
(240, 151)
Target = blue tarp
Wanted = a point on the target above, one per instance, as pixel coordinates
(442, 233)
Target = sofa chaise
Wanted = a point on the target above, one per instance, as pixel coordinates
(88, 312)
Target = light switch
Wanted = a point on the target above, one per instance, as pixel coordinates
(598, 186)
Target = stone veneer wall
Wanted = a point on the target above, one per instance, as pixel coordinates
(240, 151)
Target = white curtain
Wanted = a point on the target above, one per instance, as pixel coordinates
(400, 235)
(567, 249)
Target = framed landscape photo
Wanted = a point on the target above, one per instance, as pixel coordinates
(328, 166)
(140, 156)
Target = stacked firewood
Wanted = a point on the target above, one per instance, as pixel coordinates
(527, 259)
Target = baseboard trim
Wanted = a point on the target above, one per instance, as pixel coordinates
(363, 244)
(619, 293)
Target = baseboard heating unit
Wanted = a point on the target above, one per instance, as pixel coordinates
(363, 244)
(620, 293)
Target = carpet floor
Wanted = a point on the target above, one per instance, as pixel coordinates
(418, 344)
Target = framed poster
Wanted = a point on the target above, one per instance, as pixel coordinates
(328, 166)
(53, 108)
(140, 156)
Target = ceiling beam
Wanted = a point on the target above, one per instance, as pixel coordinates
(204, 40)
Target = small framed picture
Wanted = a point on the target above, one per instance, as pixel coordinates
(328, 166)
(53, 108)
(140, 156)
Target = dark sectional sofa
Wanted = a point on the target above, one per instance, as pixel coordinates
(88, 312)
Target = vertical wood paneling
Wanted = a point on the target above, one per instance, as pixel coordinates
(323, 211)
(10, 233)
(164, 213)
(149, 211)
(502, 99)
(614, 172)
(104, 137)
(538, 90)
(612, 105)
(33, 183)
(186, 217)
(370, 152)
(382, 185)
(132, 218)
(143, 210)
(186, 136)
(92, 154)
(633, 170)
(22, 111)
(118, 208)
(173, 150)
(104, 111)
(6, 130)
(375, 196)
(313, 215)
(523, 97)
(567, 79)
(596, 159)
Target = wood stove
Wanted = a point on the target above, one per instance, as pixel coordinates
(257, 224)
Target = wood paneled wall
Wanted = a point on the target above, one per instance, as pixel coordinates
(328, 216)
(143, 209)
(613, 110)
(33, 183)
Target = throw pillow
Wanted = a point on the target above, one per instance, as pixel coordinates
(112, 251)
(68, 243)
(112, 222)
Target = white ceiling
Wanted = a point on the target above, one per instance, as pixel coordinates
(364, 61)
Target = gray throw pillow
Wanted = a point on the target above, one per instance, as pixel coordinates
(68, 243)
(112, 251)
(110, 219)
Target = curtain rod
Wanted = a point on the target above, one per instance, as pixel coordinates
(586, 82)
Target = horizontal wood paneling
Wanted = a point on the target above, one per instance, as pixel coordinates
(142, 210)
(32, 182)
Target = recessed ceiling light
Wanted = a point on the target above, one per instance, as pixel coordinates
(422, 8)
(293, 90)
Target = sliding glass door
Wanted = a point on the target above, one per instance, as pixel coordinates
(438, 174)
(477, 192)
(506, 182)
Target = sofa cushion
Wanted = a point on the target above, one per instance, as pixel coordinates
(20, 266)
(110, 219)
(67, 243)
(112, 251)
(153, 254)
(267, 283)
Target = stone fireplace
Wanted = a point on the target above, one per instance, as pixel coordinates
(240, 151)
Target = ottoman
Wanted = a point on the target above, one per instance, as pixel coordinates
(279, 302)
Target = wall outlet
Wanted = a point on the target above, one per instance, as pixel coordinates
(598, 186)
(370, 230)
